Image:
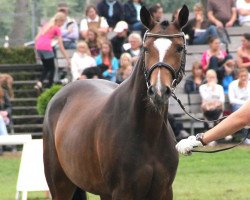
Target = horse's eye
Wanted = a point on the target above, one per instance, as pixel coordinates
(179, 49)
(146, 49)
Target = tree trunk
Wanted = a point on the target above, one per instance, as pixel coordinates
(17, 36)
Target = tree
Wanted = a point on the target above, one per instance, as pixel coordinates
(17, 36)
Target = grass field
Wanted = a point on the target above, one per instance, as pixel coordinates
(221, 176)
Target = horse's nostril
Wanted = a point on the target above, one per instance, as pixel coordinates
(151, 91)
(167, 91)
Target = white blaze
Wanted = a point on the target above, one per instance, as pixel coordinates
(162, 45)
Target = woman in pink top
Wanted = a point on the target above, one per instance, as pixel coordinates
(44, 49)
(243, 52)
(214, 57)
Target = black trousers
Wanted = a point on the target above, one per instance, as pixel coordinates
(48, 70)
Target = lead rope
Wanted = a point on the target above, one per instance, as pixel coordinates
(209, 151)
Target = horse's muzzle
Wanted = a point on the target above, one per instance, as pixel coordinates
(161, 96)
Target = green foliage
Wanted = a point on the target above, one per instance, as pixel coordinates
(19, 55)
(45, 97)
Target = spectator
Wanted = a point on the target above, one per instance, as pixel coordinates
(69, 29)
(93, 42)
(178, 129)
(44, 49)
(222, 13)
(212, 96)
(198, 29)
(132, 15)
(134, 46)
(196, 79)
(243, 52)
(125, 68)
(107, 58)
(95, 22)
(5, 111)
(175, 14)
(243, 8)
(156, 11)
(81, 60)
(214, 57)
(239, 90)
(6, 81)
(226, 74)
(112, 10)
(121, 30)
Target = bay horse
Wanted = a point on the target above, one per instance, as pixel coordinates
(115, 140)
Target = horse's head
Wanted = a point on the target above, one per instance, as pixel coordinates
(164, 49)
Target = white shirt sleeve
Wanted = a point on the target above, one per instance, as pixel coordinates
(104, 23)
(74, 67)
(84, 25)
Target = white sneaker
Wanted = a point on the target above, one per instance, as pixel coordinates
(246, 141)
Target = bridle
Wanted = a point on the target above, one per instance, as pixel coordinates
(176, 74)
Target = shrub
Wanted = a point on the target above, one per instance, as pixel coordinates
(45, 97)
(17, 55)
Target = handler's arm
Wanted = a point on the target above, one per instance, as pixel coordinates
(234, 122)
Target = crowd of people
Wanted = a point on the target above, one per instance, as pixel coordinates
(99, 56)
(217, 74)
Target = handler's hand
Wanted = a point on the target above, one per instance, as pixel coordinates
(186, 145)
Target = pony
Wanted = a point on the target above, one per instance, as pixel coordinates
(115, 140)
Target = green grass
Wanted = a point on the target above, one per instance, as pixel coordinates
(221, 176)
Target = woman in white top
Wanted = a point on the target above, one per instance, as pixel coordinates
(213, 97)
(243, 8)
(93, 21)
(81, 60)
(239, 90)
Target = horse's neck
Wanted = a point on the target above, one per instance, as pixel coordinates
(140, 108)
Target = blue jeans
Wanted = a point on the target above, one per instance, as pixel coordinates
(3, 129)
(211, 31)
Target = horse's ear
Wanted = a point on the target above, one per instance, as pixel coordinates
(182, 17)
(146, 18)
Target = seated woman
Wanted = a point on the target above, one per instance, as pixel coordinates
(134, 46)
(239, 90)
(193, 82)
(125, 68)
(93, 42)
(212, 96)
(93, 21)
(198, 29)
(243, 52)
(107, 58)
(81, 60)
(214, 57)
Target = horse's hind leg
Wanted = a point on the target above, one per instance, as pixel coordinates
(60, 186)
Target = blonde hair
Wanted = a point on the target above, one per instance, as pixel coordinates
(6, 81)
(82, 43)
(125, 55)
(213, 73)
(198, 6)
(59, 16)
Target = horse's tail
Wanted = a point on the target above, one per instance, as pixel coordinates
(79, 194)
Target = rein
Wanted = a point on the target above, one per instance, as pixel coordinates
(197, 119)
